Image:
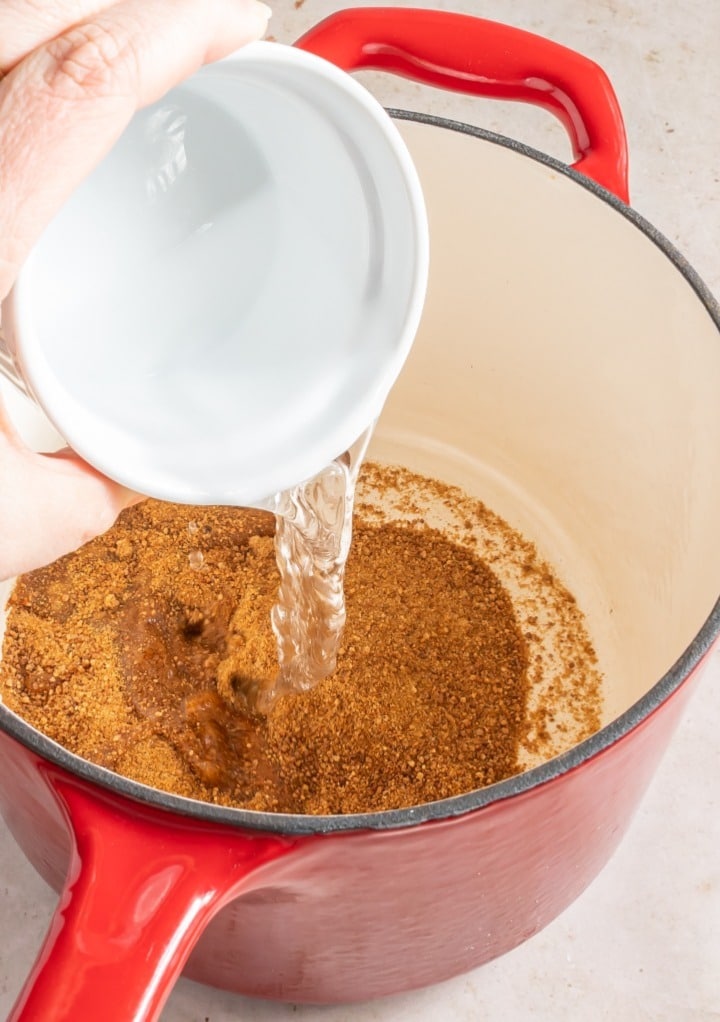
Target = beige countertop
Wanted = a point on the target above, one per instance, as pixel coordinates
(643, 943)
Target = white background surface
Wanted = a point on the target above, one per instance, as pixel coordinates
(643, 943)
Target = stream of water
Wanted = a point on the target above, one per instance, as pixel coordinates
(312, 542)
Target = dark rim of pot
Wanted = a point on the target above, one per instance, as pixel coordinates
(293, 824)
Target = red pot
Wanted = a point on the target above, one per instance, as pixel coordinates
(567, 368)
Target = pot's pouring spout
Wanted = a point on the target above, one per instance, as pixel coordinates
(138, 894)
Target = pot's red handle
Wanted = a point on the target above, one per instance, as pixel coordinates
(485, 58)
(139, 892)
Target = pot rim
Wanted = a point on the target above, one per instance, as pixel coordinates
(457, 805)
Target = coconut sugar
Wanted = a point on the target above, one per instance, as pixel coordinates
(144, 650)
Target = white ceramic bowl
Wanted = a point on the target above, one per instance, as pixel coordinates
(224, 304)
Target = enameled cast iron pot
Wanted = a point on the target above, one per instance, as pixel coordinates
(567, 370)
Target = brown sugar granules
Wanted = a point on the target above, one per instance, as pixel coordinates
(430, 692)
(142, 652)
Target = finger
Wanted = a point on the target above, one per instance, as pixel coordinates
(50, 505)
(25, 25)
(65, 105)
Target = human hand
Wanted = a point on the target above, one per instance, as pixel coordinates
(72, 74)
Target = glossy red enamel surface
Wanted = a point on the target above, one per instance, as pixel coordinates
(368, 914)
(485, 58)
(139, 887)
(322, 918)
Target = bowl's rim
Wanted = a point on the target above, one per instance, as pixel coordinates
(295, 824)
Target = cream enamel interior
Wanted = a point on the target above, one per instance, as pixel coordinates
(568, 374)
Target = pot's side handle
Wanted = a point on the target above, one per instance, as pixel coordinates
(485, 58)
(139, 892)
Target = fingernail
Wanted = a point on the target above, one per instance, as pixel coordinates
(260, 14)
